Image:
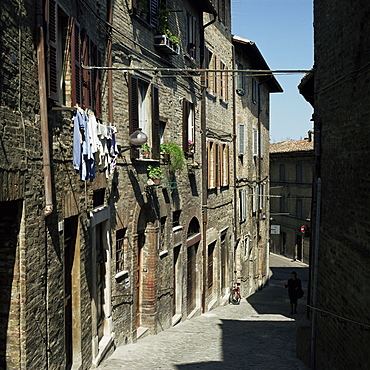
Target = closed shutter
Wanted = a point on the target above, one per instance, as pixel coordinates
(134, 110)
(255, 199)
(227, 164)
(221, 164)
(242, 204)
(76, 63)
(86, 74)
(241, 137)
(216, 173)
(155, 122)
(98, 84)
(262, 144)
(209, 164)
(186, 105)
(255, 143)
(52, 54)
(153, 13)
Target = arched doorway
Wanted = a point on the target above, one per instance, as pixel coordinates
(192, 244)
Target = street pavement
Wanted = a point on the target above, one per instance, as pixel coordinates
(258, 334)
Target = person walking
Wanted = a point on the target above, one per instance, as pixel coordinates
(294, 286)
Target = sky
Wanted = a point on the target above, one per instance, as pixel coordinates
(283, 33)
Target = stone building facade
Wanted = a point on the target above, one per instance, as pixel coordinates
(291, 173)
(338, 89)
(252, 110)
(93, 254)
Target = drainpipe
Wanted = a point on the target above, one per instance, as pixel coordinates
(203, 125)
(234, 170)
(109, 63)
(44, 112)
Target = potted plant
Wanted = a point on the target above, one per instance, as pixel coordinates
(190, 146)
(177, 158)
(240, 91)
(155, 174)
(163, 148)
(145, 150)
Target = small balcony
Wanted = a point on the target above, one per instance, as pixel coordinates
(166, 45)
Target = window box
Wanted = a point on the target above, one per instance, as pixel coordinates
(165, 44)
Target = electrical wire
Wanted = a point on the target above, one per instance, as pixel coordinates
(339, 317)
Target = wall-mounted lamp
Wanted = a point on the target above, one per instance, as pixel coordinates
(136, 139)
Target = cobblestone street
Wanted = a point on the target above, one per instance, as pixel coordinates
(257, 334)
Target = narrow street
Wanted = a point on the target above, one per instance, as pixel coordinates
(257, 334)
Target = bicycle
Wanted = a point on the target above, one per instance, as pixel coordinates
(235, 297)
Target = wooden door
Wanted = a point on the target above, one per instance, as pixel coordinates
(192, 278)
(176, 253)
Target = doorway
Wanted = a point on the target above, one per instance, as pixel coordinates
(299, 247)
(192, 278)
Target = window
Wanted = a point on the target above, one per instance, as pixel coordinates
(208, 76)
(255, 193)
(255, 92)
(147, 10)
(282, 172)
(223, 12)
(262, 196)
(188, 114)
(218, 164)
(224, 164)
(298, 208)
(282, 204)
(241, 137)
(191, 32)
(242, 205)
(176, 218)
(144, 112)
(299, 174)
(211, 249)
(255, 143)
(98, 197)
(240, 80)
(120, 237)
(224, 86)
(67, 48)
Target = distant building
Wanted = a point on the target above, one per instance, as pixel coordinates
(290, 197)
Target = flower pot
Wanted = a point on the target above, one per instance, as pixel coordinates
(156, 181)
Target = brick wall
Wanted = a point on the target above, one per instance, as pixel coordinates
(341, 105)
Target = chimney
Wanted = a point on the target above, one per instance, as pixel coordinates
(310, 136)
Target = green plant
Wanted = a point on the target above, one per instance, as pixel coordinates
(145, 147)
(154, 172)
(163, 148)
(177, 158)
(174, 39)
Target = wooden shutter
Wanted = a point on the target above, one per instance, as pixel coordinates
(98, 83)
(134, 110)
(185, 125)
(86, 74)
(216, 168)
(153, 13)
(76, 63)
(221, 164)
(209, 163)
(227, 164)
(51, 13)
(155, 122)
